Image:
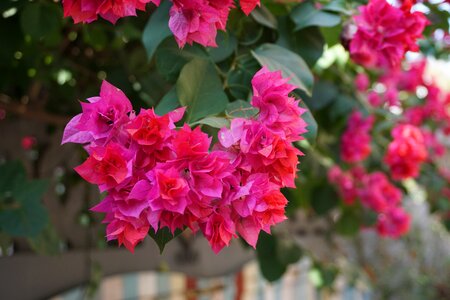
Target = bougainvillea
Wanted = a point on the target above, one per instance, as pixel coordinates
(385, 33)
(190, 20)
(157, 175)
(355, 142)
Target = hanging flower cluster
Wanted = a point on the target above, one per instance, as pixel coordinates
(190, 20)
(376, 194)
(157, 175)
(355, 142)
(385, 33)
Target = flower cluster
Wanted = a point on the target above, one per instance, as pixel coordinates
(355, 142)
(190, 20)
(157, 175)
(385, 33)
(376, 194)
(406, 152)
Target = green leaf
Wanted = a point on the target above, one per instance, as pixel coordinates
(305, 15)
(337, 6)
(40, 20)
(239, 77)
(264, 17)
(323, 199)
(266, 250)
(324, 93)
(157, 28)
(308, 42)
(168, 103)
(312, 127)
(240, 109)
(29, 218)
(12, 174)
(291, 65)
(226, 45)
(47, 242)
(215, 122)
(199, 89)
(170, 59)
(348, 223)
(288, 252)
(163, 236)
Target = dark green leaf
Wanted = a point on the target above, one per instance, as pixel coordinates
(324, 93)
(308, 42)
(323, 199)
(349, 223)
(312, 127)
(240, 75)
(170, 59)
(12, 174)
(226, 45)
(216, 122)
(291, 65)
(264, 17)
(266, 250)
(40, 20)
(168, 103)
(163, 236)
(288, 252)
(199, 89)
(337, 6)
(157, 28)
(305, 15)
(240, 109)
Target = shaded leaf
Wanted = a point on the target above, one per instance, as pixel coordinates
(216, 122)
(163, 236)
(264, 17)
(199, 89)
(291, 65)
(305, 15)
(168, 103)
(226, 45)
(240, 109)
(157, 28)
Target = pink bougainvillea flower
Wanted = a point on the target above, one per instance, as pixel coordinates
(377, 193)
(107, 166)
(157, 175)
(86, 11)
(277, 111)
(28, 142)
(384, 34)
(346, 184)
(406, 152)
(355, 142)
(393, 223)
(100, 116)
(248, 6)
(362, 82)
(198, 20)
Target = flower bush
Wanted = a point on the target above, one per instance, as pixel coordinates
(207, 133)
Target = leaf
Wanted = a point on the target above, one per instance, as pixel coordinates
(324, 93)
(170, 59)
(348, 223)
(199, 89)
(312, 127)
(288, 252)
(337, 6)
(323, 199)
(239, 77)
(308, 42)
(266, 250)
(47, 242)
(291, 65)
(163, 236)
(30, 217)
(240, 109)
(305, 15)
(40, 20)
(12, 173)
(264, 17)
(157, 28)
(168, 103)
(226, 45)
(216, 122)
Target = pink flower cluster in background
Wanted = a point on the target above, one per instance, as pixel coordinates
(355, 142)
(157, 175)
(190, 20)
(406, 152)
(376, 194)
(385, 33)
